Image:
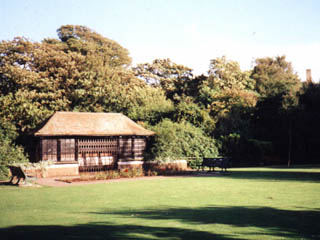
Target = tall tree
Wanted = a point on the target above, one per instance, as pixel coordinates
(173, 78)
(226, 87)
(226, 74)
(103, 51)
(277, 85)
(308, 123)
(274, 76)
(83, 71)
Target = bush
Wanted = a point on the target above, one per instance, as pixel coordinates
(180, 140)
(231, 145)
(9, 152)
(149, 105)
(191, 112)
(259, 149)
(245, 151)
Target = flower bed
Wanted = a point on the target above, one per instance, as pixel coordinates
(110, 174)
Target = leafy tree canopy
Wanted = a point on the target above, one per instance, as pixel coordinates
(226, 74)
(149, 104)
(171, 77)
(274, 76)
(87, 42)
(82, 70)
(37, 79)
(227, 86)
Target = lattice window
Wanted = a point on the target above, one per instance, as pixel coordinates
(97, 151)
(125, 148)
(49, 149)
(139, 147)
(97, 145)
(67, 149)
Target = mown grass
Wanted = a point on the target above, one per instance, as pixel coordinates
(249, 203)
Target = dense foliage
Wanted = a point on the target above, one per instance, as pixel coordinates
(274, 76)
(252, 116)
(9, 152)
(177, 140)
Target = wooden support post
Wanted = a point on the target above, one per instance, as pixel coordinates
(76, 150)
(40, 149)
(58, 150)
(118, 152)
(132, 147)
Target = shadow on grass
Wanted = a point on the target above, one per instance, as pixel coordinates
(104, 231)
(274, 222)
(274, 175)
(300, 167)
(288, 224)
(7, 183)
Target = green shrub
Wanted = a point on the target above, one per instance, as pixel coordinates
(231, 145)
(9, 152)
(259, 149)
(242, 150)
(191, 112)
(178, 140)
(149, 105)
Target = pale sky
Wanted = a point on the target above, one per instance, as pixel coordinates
(189, 32)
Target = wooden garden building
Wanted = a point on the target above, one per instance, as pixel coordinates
(94, 140)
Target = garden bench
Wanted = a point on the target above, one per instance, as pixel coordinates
(211, 163)
(19, 173)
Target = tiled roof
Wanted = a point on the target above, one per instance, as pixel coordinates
(91, 124)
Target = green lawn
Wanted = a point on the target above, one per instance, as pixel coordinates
(251, 203)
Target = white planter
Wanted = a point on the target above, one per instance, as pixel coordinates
(130, 164)
(59, 170)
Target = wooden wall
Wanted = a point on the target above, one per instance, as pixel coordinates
(93, 151)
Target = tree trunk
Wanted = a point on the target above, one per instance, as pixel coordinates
(289, 148)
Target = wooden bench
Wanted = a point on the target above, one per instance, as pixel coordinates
(17, 172)
(211, 163)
